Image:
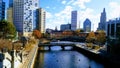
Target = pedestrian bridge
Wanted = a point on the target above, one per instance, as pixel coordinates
(63, 44)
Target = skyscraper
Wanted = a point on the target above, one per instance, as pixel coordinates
(102, 24)
(87, 25)
(10, 12)
(24, 12)
(2, 10)
(41, 20)
(10, 3)
(74, 20)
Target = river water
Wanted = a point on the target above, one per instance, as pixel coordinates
(56, 58)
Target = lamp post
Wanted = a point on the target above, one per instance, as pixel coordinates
(12, 64)
(21, 55)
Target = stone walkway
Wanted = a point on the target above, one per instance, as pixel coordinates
(28, 58)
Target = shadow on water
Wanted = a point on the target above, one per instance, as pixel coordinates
(57, 58)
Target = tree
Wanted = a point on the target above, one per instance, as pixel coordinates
(67, 33)
(37, 34)
(7, 29)
(78, 31)
(91, 37)
(5, 44)
(101, 37)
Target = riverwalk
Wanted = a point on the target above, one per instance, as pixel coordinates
(28, 59)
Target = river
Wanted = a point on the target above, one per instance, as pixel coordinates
(56, 58)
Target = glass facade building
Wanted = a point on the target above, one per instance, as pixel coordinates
(64, 27)
(74, 20)
(10, 3)
(2, 10)
(113, 28)
(24, 15)
(87, 25)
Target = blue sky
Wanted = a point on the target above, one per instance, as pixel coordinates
(59, 11)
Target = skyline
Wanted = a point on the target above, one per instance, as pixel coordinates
(59, 11)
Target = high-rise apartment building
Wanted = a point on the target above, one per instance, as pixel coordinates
(102, 24)
(41, 19)
(74, 20)
(2, 10)
(24, 13)
(87, 25)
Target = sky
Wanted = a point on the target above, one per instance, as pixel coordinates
(59, 11)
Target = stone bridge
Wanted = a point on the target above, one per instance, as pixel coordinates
(63, 44)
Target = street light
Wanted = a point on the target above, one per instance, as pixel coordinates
(12, 64)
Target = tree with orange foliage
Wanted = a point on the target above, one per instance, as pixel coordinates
(91, 37)
(37, 34)
(101, 37)
(76, 32)
(67, 33)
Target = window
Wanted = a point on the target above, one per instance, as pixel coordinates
(36, 4)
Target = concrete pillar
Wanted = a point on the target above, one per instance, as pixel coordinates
(63, 48)
(49, 48)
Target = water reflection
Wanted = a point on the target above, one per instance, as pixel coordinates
(64, 59)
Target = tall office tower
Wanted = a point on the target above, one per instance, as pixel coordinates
(41, 19)
(10, 3)
(74, 20)
(102, 24)
(87, 25)
(24, 13)
(10, 12)
(2, 10)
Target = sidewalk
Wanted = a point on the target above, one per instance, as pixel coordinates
(28, 58)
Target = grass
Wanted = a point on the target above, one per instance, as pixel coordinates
(30, 44)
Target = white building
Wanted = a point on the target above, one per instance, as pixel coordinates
(41, 20)
(25, 15)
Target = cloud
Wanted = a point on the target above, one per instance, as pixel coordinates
(114, 10)
(64, 2)
(70, 2)
(48, 15)
(47, 7)
(89, 13)
(64, 16)
(80, 3)
(59, 18)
